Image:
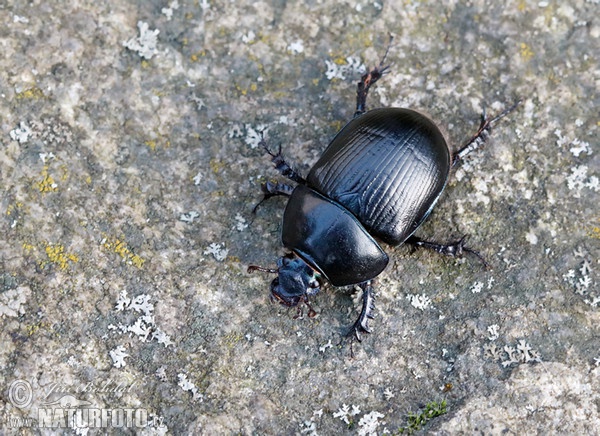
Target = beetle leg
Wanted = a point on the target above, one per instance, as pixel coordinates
(369, 79)
(362, 323)
(482, 134)
(272, 189)
(281, 165)
(453, 249)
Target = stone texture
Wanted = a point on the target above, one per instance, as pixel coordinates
(129, 168)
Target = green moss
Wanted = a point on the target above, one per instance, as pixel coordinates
(415, 421)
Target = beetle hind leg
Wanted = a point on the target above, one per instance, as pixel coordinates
(368, 307)
(452, 249)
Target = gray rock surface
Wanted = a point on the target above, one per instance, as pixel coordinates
(129, 168)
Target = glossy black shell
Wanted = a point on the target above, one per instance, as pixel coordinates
(387, 168)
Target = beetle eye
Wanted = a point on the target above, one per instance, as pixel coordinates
(314, 284)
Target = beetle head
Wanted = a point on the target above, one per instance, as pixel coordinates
(295, 282)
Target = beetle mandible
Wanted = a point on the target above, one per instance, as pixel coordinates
(378, 180)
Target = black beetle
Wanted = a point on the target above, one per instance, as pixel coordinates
(378, 179)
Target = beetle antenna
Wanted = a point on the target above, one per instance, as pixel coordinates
(252, 268)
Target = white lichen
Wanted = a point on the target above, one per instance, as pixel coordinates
(493, 331)
(141, 303)
(235, 131)
(161, 337)
(420, 301)
(477, 287)
(531, 237)
(123, 301)
(204, 5)
(388, 394)
(188, 386)
(46, 157)
(161, 373)
(20, 19)
(254, 135)
(144, 327)
(308, 427)
(577, 146)
(198, 101)
(12, 302)
(582, 282)
(118, 356)
(144, 44)
(296, 47)
(345, 413)
(240, 223)
(21, 134)
(369, 423)
(168, 11)
(189, 217)
(324, 348)
(579, 179)
(249, 37)
(197, 178)
(336, 70)
(511, 355)
(218, 251)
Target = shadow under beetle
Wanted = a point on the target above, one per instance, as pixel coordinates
(378, 179)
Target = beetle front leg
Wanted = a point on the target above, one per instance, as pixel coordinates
(453, 249)
(273, 189)
(281, 165)
(368, 306)
(368, 80)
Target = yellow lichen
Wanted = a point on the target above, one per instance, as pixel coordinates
(65, 172)
(30, 93)
(32, 329)
(216, 165)
(13, 208)
(47, 184)
(57, 255)
(525, 51)
(120, 247)
(195, 57)
(151, 143)
(232, 339)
